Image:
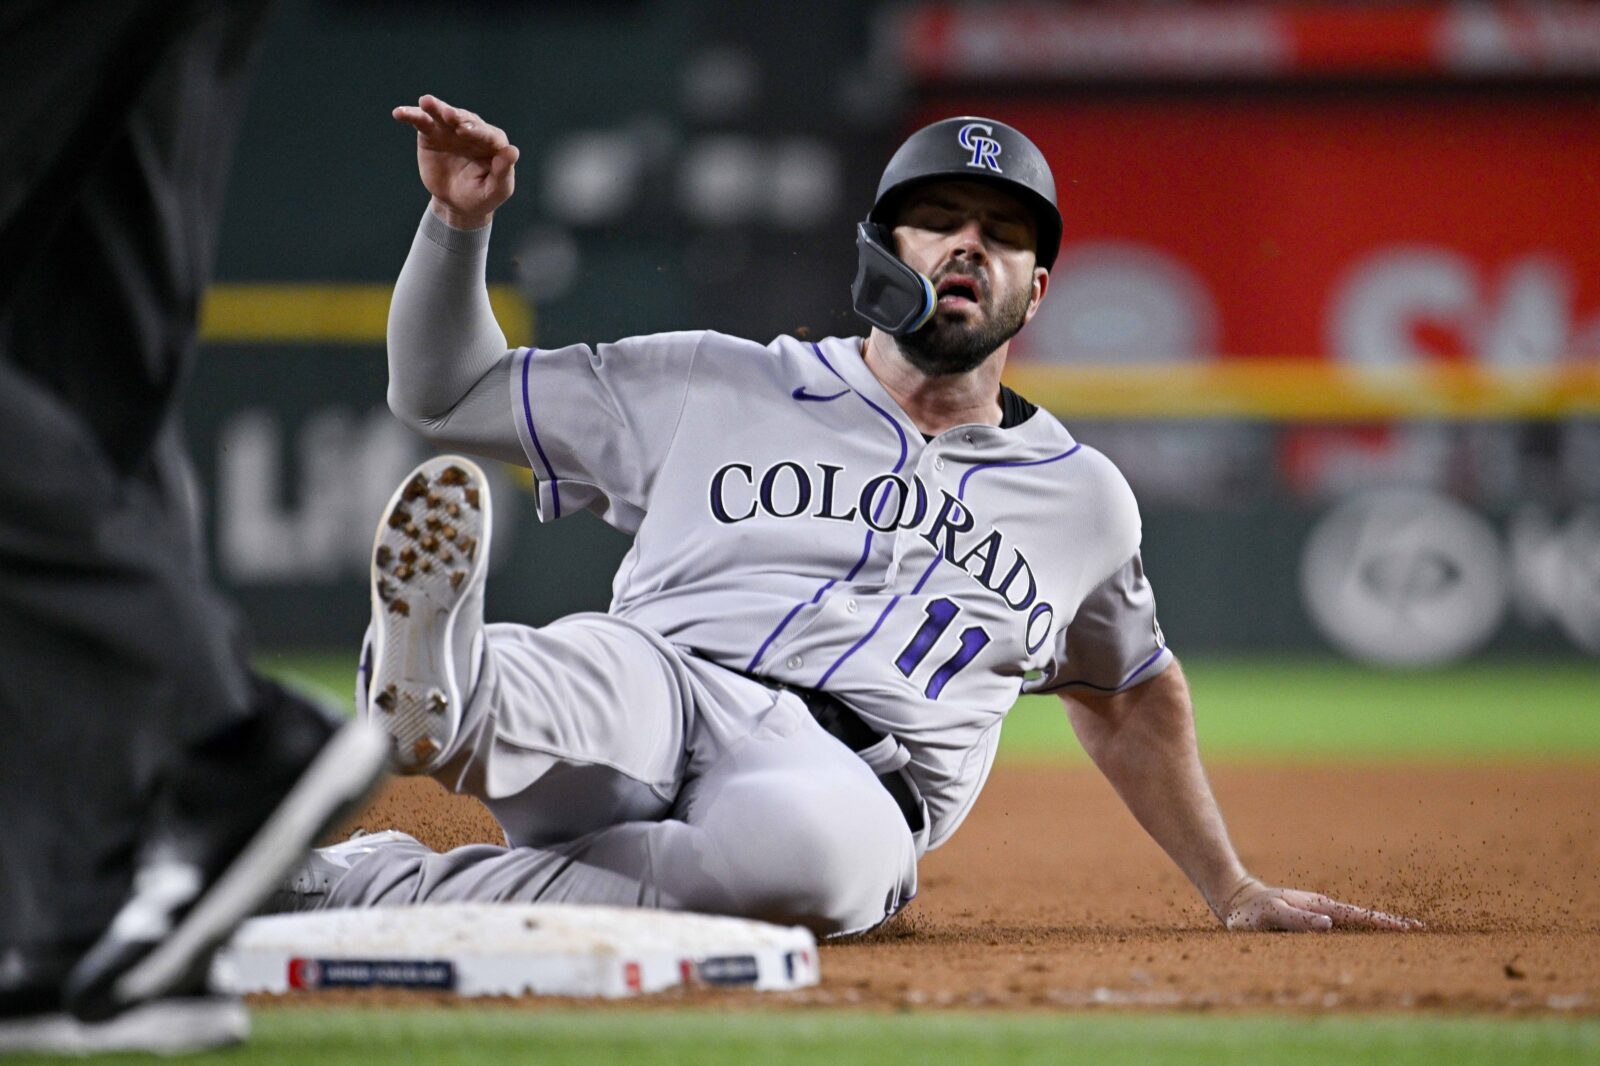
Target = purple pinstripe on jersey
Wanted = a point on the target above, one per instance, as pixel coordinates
(961, 494)
(866, 548)
(823, 681)
(1120, 685)
(961, 490)
(887, 417)
(533, 434)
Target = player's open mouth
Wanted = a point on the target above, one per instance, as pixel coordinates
(957, 290)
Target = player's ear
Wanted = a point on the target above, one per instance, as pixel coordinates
(1041, 282)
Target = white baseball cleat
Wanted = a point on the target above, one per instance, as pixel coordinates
(429, 560)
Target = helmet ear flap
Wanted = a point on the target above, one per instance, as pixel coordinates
(886, 291)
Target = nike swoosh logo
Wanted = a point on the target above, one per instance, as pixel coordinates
(802, 394)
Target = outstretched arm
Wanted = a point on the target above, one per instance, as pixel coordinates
(448, 364)
(466, 164)
(1143, 740)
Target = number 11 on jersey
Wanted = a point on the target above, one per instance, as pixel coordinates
(941, 613)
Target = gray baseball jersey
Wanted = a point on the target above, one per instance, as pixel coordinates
(790, 520)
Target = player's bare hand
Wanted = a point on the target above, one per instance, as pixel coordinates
(467, 164)
(1256, 906)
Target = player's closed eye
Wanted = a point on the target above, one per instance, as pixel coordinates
(934, 219)
(938, 219)
(1012, 235)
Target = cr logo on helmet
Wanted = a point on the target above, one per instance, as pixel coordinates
(985, 149)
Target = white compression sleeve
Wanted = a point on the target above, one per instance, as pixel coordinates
(449, 368)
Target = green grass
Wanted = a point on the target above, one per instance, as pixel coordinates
(1299, 709)
(493, 1037)
(329, 674)
(1302, 709)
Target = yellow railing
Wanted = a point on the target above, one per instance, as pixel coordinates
(1290, 390)
(333, 313)
(1305, 390)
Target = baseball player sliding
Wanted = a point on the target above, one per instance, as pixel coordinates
(850, 557)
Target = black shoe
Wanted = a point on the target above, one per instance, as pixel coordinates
(236, 817)
(31, 977)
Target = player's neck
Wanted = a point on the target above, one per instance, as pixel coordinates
(937, 403)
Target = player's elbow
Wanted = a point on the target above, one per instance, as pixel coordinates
(430, 429)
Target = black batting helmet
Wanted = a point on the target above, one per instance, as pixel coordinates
(969, 148)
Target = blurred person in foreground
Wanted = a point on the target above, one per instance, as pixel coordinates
(153, 787)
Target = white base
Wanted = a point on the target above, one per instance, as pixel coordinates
(510, 949)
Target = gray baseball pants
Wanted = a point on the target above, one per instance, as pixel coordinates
(627, 771)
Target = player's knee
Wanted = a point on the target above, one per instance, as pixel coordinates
(807, 866)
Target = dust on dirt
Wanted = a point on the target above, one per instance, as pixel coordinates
(1051, 896)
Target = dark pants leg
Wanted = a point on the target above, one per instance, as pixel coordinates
(115, 655)
(114, 658)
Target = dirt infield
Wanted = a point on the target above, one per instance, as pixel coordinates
(1051, 896)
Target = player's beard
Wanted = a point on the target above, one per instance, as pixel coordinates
(952, 345)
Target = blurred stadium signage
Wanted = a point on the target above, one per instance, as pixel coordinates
(1377, 231)
(296, 494)
(1041, 42)
(298, 454)
(1402, 577)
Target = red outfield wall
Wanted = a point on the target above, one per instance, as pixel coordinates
(1368, 227)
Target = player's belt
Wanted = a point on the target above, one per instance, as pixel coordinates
(847, 727)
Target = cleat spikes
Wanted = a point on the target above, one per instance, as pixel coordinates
(428, 566)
